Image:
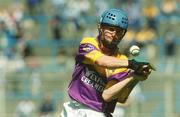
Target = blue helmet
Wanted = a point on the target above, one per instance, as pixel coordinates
(115, 17)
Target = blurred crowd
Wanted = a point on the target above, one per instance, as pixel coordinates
(21, 22)
(24, 23)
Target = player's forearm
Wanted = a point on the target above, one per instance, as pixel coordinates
(125, 92)
(122, 87)
(111, 62)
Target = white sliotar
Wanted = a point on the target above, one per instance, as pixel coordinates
(134, 50)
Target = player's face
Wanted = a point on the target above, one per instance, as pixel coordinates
(111, 36)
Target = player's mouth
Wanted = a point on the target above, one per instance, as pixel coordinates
(108, 38)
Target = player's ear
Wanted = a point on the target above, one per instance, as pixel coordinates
(99, 28)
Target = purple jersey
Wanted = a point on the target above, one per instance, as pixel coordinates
(89, 80)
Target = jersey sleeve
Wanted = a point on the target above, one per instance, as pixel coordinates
(88, 51)
(118, 74)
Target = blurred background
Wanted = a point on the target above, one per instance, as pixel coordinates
(39, 39)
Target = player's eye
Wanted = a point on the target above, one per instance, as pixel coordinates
(111, 29)
(120, 32)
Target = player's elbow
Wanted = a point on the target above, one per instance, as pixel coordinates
(107, 97)
(99, 62)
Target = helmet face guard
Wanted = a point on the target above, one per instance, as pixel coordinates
(119, 31)
(115, 20)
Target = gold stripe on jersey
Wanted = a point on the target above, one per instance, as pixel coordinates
(112, 71)
(90, 40)
(92, 56)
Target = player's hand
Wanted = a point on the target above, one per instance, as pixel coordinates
(143, 73)
(141, 68)
(136, 65)
(141, 78)
(144, 70)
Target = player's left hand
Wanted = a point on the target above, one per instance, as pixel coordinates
(140, 78)
(144, 70)
(140, 68)
(142, 73)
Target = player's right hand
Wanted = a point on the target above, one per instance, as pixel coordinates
(136, 65)
(140, 68)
